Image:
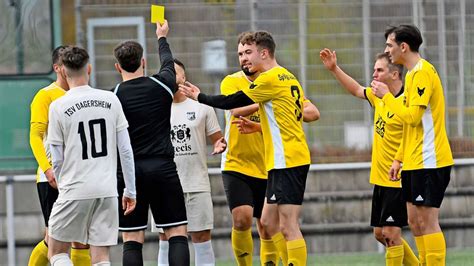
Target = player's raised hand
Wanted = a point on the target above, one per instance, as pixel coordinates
(379, 89)
(329, 59)
(128, 204)
(219, 146)
(246, 126)
(190, 90)
(162, 30)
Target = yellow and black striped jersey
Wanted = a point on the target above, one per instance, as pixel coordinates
(280, 99)
(388, 130)
(39, 126)
(245, 152)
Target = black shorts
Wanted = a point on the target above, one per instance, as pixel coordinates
(159, 189)
(388, 207)
(242, 190)
(47, 196)
(425, 187)
(286, 186)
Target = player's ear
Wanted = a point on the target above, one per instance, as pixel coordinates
(404, 47)
(143, 62)
(89, 69)
(118, 68)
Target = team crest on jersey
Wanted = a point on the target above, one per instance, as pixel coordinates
(191, 116)
(420, 91)
(180, 133)
(252, 86)
(380, 126)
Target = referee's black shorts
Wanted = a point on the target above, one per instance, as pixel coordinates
(159, 189)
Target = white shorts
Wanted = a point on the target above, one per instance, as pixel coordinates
(89, 221)
(199, 210)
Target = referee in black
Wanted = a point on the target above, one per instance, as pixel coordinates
(146, 102)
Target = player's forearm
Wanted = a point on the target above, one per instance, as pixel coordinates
(346, 81)
(244, 111)
(37, 131)
(57, 155)
(127, 163)
(238, 99)
(411, 115)
(310, 112)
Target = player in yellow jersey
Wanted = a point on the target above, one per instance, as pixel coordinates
(425, 151)
(287, 157)
(389, 213)
(48, 192)
(245, 177)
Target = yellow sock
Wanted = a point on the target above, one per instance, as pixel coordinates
(268, 253)
(435, 247)
(420, 246)
(297, 252)
(394, 256)
(280, 244)
(409, 258)
(242, 244)
(39, 255)
(80, 257)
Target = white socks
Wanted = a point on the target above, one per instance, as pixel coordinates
(204, 254)
(61, 259)
(102, 263)
(163, 253)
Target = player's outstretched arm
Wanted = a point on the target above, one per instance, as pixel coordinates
(329, 60)
(238, 99)
(167, 73)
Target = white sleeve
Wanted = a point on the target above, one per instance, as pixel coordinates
(212, 125)
(57, 154)
(128, 165)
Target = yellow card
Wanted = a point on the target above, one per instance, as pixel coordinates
(157, 14)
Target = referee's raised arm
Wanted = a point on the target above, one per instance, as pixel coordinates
(167, 73)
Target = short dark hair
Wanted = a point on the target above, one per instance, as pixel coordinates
(57, 53)
(391, 66)
(179, 63)
(129, 55)
(74, 58)
(408, 34)
(262, 39)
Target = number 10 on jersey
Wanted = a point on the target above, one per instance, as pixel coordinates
(92, 140)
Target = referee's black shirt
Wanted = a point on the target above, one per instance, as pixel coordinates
(147, 107)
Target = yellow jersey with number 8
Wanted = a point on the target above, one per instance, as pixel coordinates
(280, 98)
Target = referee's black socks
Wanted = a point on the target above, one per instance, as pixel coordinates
(132, 254)
(178, 254)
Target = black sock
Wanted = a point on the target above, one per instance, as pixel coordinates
(178, 254)
(132, 254)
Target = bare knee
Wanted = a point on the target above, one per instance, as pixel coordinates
(137, 236)
(78, 245)
(242, 217)
(201, 236)
(378, 235)
(392, 236)
(180, 230)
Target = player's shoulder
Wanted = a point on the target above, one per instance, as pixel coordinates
(276, 74)
(234, 76)
(424, 67)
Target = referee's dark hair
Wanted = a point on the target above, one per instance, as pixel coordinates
(129, 55)
(408, 34)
